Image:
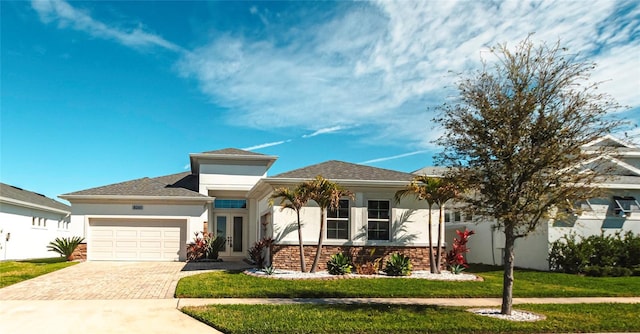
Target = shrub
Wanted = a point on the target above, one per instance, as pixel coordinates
(398, 265)
(339, 264)
(371, 266)
(256, 253)
(597, 255)
(204, 247)
(65, 246)
(607, 271)
(455, 258)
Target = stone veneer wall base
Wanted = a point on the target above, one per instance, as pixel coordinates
(287, 256)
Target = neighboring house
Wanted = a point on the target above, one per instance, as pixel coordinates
(153, 219)
(28, 222)
(616, 211)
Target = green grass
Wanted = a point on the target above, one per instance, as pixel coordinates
(12, 272)
(411, 319)
(527, 284)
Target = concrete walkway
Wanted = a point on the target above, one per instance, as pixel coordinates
(97, 316)
(163, 315)
(465, 302)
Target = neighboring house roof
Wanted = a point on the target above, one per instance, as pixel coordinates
(181, 185)
(340, 170)
(19, 196)
(433, 171)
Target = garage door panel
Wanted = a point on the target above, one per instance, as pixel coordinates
(102, 233)
(126, 233)
(135, 240)
(150, 234)
(151, 244)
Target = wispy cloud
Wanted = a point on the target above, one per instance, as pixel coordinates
(325, 131)
(382, 65)
(259, 146)
(393, 157)
(66, 15)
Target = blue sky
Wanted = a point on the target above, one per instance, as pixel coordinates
(99, 92)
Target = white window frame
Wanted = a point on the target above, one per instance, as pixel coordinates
(388, 220)
(339, 220)
(620, 202)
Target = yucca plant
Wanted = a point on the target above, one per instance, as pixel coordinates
(65, 246)
(339, 264)
(398, 265)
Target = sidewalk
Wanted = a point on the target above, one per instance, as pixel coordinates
(466, 302)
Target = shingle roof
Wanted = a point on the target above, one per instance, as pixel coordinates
(22, 195)
(175, 185)
(339, 170)
(431, 171)
(232, 151)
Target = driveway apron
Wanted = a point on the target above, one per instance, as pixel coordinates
(101, 280)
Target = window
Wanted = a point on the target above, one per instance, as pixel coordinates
(230, 204)
(624, 206)
(453, 216)
(338, 221)
(33, 221)
(378, 220)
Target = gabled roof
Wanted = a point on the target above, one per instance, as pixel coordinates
(181, 185)
(340, 170)
(9, 193)
(610, 141)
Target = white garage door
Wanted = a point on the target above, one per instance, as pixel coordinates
(135, 240)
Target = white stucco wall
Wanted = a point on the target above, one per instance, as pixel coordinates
(229, 177)
(27, 241)
(194, 214)
(533, 251)
(408, 218)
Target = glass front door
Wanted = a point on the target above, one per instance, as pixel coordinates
(231, 228)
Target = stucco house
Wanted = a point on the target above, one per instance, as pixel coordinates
(28, 222)
(616, 211)
(228, 190)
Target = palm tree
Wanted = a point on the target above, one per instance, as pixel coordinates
(326, 194)
(294, 199)
(448, 190)
(434, 191)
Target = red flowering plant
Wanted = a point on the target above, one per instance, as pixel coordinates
(455, 258)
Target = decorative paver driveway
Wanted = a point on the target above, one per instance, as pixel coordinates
(103, 280)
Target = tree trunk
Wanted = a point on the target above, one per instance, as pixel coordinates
(439, 250)
(432, 262)
(507, 283)
(303, 265)
(314, 266)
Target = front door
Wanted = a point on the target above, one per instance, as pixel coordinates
(231, 227)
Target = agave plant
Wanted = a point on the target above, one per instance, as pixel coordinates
(398, 265)
(65, 246)
(339, 264)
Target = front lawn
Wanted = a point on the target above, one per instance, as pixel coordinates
(527, 284)
(12, 272)
(369, 318)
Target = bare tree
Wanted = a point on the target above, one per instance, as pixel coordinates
(514, 137)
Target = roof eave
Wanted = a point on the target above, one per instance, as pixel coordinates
(70, 198)
(290, 180)
(32, 205)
